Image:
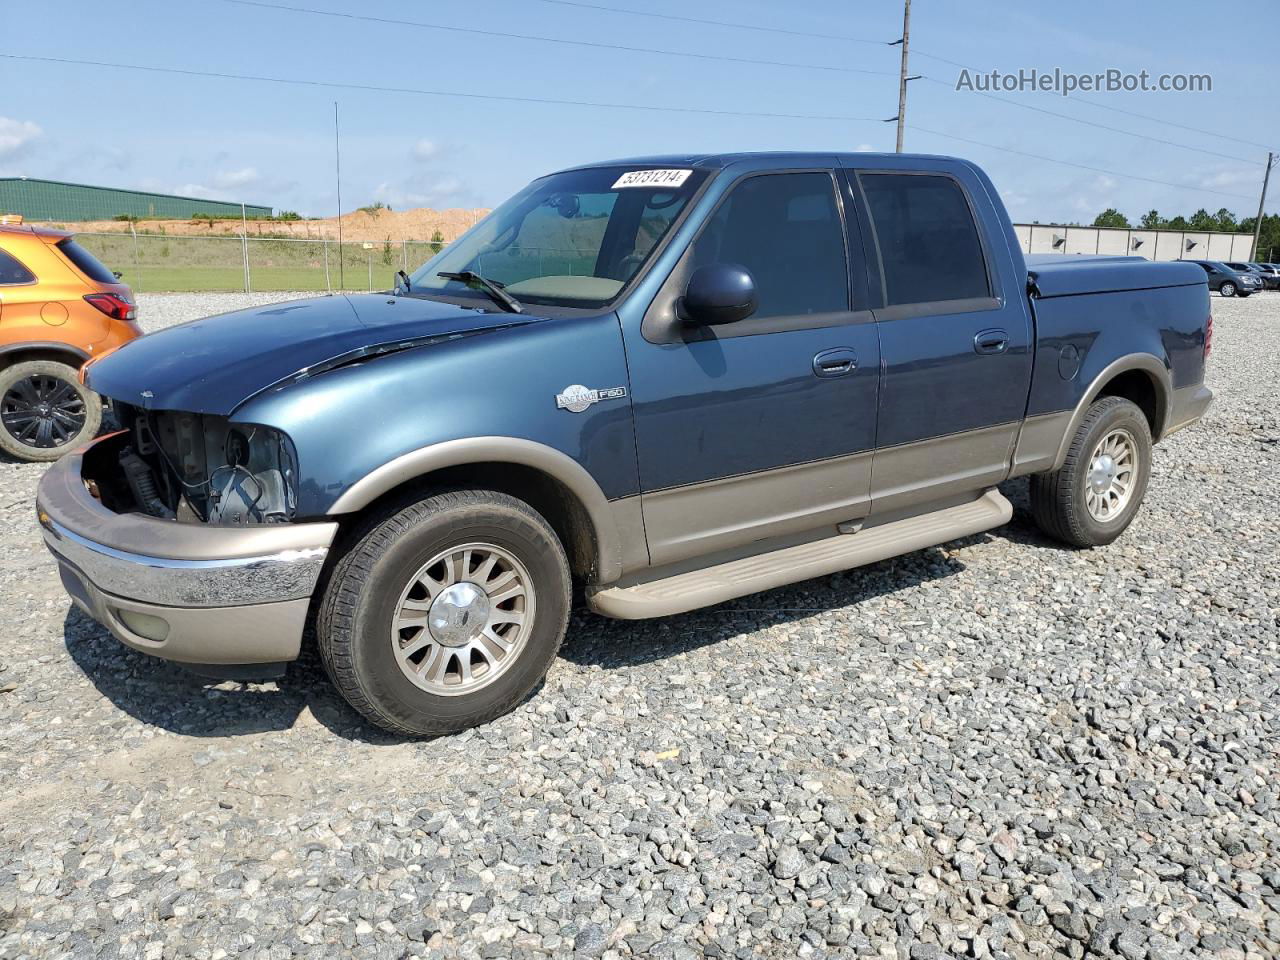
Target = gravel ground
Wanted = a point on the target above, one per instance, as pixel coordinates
(999, 747)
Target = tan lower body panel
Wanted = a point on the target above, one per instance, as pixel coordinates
(633, 598)
(1189, 405)
(1039, 442)
(702, 518)
(928, 471)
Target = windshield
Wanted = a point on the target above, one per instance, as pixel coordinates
(571, 239)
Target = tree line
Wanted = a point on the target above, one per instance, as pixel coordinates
(1224, 221)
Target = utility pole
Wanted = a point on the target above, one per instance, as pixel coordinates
(1262, 201)
(902, 73)
(244, 246)
(337, 177)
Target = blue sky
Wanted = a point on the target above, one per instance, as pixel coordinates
(273, 143)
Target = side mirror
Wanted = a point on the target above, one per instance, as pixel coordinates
(719, 293)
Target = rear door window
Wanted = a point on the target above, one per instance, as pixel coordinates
(928, 241)
(85, 261)
(11, 271)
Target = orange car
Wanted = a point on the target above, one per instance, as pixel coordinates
(59, 306)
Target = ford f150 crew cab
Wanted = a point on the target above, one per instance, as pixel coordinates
(675, 380)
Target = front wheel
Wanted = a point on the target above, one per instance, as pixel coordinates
(1228, 289)
(1093, 497)
(445, 613)
(45, 410)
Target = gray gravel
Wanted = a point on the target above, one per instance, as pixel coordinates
(995, 748)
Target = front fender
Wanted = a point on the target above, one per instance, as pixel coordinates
(511, 450)
(363, 428)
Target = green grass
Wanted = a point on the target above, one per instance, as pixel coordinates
(225, 279)
(198, 264)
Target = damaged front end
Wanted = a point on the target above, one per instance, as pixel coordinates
(192, 467)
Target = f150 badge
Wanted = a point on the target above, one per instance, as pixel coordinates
(577, 398)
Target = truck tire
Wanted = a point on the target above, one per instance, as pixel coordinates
(1094, 495)
(45, 410)
(446, 612)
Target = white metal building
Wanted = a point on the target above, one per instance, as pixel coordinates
(1152, 244)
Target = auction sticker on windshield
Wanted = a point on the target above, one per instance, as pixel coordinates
(652, 178)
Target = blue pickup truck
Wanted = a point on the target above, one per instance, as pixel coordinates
(672, 380)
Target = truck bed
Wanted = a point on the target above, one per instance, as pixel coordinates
(1065, 275)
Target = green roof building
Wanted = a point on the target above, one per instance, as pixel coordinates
(58, 201)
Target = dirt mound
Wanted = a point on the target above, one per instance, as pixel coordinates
(358, 227)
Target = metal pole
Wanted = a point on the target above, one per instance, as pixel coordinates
(902, 73)
(244, 245)
(337, 178)
(137, 260)
(1262, 201)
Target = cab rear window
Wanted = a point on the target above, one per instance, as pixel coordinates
(11, 271)
(85, 261)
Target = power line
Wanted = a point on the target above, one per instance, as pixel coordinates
(931, 56)
(1088, 123)
(775, 63)
(338, 85)
(1079, 166)
(475, 31)
(714, 23)
(1113, 109)
(367, 87)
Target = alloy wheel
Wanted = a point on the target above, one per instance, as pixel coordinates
(1112, 476)
(43, 411)
(463, 619)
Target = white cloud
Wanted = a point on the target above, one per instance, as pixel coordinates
(17, 135)
(441, 192)
(865, 148)
(425, 149)
(199, 191)
(1091, 195)
(1234, 179)
(230, 179)
(233, 186)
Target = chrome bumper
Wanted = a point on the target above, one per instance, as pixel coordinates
(189, 592)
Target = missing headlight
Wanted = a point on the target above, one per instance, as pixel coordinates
(218, 472)
(254, 482)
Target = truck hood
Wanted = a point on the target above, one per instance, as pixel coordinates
(216, 364)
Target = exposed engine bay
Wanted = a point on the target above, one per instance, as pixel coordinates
(196, 468)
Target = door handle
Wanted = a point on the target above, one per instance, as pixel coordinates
(990, 341)
(835, 363)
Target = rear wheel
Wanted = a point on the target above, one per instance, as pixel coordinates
(445, 613)
(45, 410)
(1096, 493)
(1228, 289)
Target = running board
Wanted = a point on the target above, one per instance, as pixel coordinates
(681, 592)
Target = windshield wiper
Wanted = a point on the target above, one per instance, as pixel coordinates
(491, 287)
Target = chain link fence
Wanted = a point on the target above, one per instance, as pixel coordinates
(157, 263)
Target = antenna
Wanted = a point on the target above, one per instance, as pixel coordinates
(337, 177)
